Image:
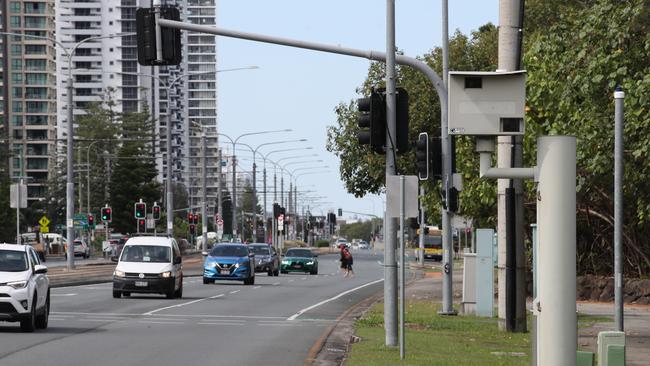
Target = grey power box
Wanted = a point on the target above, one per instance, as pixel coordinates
(487, 103)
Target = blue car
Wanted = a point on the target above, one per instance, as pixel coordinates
(229, 262)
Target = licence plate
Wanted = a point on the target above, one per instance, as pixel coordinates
(225, 272)
(297, 265)
(141, 283)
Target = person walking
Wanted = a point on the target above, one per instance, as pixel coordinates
(346, 261)
(344, 264)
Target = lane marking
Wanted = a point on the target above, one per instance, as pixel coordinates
(275, 283)
(291, 280)
(216, 323)
(63, 295)
(294, 316)
(171, 316)
(155, 322)
(235, 291)
(181, 305)
(256, 287)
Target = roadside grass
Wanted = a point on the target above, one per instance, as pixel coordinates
(438, 340)
(586, 320)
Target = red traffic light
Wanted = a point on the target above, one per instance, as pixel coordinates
(192, 229)
(106, 214)
(156, 212)
(141, 222)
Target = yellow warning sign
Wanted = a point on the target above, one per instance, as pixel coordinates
(44, 221)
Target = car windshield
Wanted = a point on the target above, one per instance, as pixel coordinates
(303, 253)
(229, 251)
(260, 249)
(13, 261)
(146, 253)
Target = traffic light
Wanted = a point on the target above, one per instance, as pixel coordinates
(276, 210)
(372, 122)
(450, 199)
(195, 220)
(155, 210)
(145, 27)
(141, 223)
(426, 230)
(192, 229)
(140, 210)
(413, 223)
(402, 122)
(91, 221)
(107, 215)
(190, 218)
(422, 156)
(340, 212)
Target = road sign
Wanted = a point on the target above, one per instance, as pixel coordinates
(13, 196)
(44, 221)
(44, 229)
(150, 223)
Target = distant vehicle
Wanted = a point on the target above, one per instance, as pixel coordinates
(300, 260)
(340, 241)
(229, 261)
(81, 249)
(24, 286)
(149, 264)
(433, 244)
(35, 241)
(363, 245)
(266, 259)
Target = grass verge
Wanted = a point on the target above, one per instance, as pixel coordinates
(439, 340)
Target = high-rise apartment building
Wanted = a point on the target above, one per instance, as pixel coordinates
(29, 91)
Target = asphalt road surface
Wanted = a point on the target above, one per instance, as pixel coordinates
(274, 322)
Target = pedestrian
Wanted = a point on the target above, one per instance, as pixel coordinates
(344, 264)
(348, 261)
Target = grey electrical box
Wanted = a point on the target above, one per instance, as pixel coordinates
(487, 103)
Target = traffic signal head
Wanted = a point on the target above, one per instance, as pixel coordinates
(340, 212)
(145, 25)
(140, 210)
(192, 229)
(402, 122)
(195, 218)
(422, 156)
(190, 218)
(141, 223)
(372, 122)
(156, 212)
(426, 230)
(107, 215)
(91, 221)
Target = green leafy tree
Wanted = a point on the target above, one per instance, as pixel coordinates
(577, 52)
(134, 171)
(357, 230)
(247, 209)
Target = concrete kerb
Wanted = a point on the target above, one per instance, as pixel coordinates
(334, 344)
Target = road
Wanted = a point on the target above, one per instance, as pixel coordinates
(274, 322)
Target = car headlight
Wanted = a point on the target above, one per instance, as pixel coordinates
(17, 284)
(237, 265)
(166, 274)
(310, 263)
(118, 273)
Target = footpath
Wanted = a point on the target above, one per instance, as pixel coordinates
(333, 350)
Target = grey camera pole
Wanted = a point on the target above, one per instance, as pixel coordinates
(390, 267)
(436, 82)
(619, 101)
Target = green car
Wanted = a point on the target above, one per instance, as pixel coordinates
(299, 260)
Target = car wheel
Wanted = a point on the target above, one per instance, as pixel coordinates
(284, 272)
(28, 324)
(179, 292)
(126, 294)
(42, 319)
(117, 294)
(207, 281)
(270, 273)
(314, 271)
(276, 273)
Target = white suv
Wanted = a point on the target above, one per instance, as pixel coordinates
(24, 287)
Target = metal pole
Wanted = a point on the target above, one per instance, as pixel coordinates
(448, 263)
(619, 104)
(79, 179)
(402, 272)
(556, 218)
(234, 192)
(390, 270)
(168, 133)
(422, 225)
(220, 187)
(266, 234)
(511, 277)
(254, 208)
(204, 198)
(70, 171)
(282, 190)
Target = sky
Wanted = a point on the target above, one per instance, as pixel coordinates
(299, 89)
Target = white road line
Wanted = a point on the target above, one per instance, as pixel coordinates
(280, 325)
(170, 316)
(222, 321)
(275, 283)
(256, 287)
(234, 292)
(63, 295)
(180, 305)
(216, 323)
(294, 316)
(150, 322)
(291, 280)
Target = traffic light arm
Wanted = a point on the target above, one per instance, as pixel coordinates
(485, 147)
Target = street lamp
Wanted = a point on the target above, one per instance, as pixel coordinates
(234, 169)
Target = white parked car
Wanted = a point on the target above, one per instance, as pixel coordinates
(24, 287)
(149, 264)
